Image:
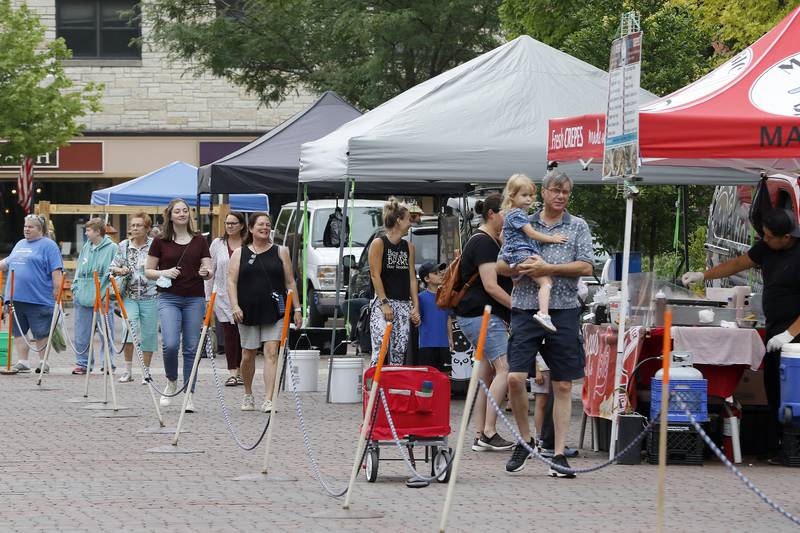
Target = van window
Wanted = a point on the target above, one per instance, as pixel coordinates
(366, 220)
(282, 224)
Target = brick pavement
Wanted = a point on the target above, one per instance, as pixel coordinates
(64, 470)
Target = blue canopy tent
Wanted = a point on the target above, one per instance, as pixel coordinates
(176, 180)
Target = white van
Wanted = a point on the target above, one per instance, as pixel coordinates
(321, 261)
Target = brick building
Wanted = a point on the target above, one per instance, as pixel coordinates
(154, 112)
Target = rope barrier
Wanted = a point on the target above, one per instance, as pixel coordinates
(62, 319)
(148, 377)
(537, 455)
(224, 408)
(738, 473)
(295, 381)
(124, 340)
(404, 452)
(25, 337)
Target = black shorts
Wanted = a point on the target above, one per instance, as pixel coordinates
(562, 351)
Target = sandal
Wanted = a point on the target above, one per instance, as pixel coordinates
(239, 380)
(231, 382)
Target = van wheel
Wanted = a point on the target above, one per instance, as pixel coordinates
(315, 318)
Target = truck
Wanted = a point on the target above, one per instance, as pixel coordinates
(317, 262)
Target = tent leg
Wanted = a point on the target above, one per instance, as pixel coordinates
(685, 236)
(339, 273)
(619, 396)
(296, 243)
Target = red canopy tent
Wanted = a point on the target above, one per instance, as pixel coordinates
(744, 115)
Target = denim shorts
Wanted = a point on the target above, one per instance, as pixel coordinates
(496, 334)
(34, 317)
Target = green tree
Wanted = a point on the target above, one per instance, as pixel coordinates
(736, 24)
(40, 106)
(366, 50)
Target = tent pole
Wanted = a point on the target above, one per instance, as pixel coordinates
(685, 214)
(619, 396)
(296, 243)
(339, 272)
(199, 223)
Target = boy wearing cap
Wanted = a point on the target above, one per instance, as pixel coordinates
(434, 328)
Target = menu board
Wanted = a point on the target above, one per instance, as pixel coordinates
(621, 154)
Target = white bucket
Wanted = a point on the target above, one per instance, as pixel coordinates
(305, 365)
(346, 375)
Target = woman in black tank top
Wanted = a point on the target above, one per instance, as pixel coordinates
(391, 264)
(259, 274)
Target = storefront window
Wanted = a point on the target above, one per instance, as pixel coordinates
(98, 28)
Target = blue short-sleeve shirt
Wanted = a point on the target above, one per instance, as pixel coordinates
(33, 263)
(578, 247)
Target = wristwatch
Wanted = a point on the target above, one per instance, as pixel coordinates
(384, 301)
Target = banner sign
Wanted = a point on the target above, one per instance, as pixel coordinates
(621, 156)
(75, 157)
(600, 345)
(576, 138)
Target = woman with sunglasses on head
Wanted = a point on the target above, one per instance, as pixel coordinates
(38, 268)
(179, 261)
(259, 273)
(221, 250)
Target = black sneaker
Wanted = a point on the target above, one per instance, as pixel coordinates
(518, 458)
(476, 444)
(496, 443)
(560, 460)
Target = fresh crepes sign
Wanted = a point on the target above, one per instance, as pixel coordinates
(575, 138)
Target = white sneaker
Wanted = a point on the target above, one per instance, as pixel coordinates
(189, 405)
(545, 322)
(248, 403)
(126, 376)
(267, 406)
(21, 367)
(172, 388)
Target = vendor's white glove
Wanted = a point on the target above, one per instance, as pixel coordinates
(776, 343)
(690, 278)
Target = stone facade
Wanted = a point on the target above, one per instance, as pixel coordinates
(155, 94)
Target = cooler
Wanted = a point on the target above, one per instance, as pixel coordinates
(789, 412)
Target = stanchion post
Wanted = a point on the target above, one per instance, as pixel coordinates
(134, 341)
(362, 436)
(287, 318)
(664, 420)
(90, 346)
(108, 376)
(462, 432)
(53, 322)
(195, 364)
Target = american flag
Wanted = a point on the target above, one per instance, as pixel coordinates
(25, 185)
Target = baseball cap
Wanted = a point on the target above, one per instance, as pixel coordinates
(429, 267)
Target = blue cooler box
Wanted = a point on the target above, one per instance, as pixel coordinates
(789, 412)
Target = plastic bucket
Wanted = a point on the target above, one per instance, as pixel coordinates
(3, 347)
(346, 375)
(305, 365)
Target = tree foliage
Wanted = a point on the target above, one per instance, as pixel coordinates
(366, 50)
(40, 106)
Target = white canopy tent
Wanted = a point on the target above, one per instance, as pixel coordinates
(479, 122)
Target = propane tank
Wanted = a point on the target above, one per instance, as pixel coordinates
(680, 367)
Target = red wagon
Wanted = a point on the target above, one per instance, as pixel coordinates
(419, 402)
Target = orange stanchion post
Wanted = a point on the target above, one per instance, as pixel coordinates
(200, 347)
(53, 322)
(373, 393)
(472, 390)
(664, 420)
(287, 319)
(136, 346)
(7, 369)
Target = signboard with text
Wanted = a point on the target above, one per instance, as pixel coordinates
(621, 154)
(77, 156)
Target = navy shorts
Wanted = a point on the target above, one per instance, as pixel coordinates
(562, 351)
(33, 317)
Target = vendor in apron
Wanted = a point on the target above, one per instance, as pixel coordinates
(778, 256)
